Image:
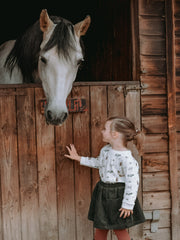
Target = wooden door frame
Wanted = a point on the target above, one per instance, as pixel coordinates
(135, 40)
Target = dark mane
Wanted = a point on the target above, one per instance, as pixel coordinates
(25, 52)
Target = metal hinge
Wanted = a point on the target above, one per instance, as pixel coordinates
(127, 88)
(154, 216)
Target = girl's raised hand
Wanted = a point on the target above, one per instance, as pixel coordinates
(72, 153)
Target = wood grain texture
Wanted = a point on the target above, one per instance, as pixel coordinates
(46, 174)
(28, 165)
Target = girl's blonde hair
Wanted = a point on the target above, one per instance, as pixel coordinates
(127, 128)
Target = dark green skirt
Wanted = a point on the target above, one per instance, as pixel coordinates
(105, 204)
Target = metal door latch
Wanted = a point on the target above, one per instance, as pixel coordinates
(154, 216)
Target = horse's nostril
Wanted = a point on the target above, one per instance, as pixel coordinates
(64, 116)
(49, 115)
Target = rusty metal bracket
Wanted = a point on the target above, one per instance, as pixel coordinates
(127, 88)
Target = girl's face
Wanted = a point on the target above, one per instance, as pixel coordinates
(106, 132)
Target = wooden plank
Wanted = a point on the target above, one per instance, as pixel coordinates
(154, 105)
(116, 107)
(116, 103)
(151, 26)
(132, 103)
(81, 121)
(154, 124)
(65, 181)
(177, 67)
(163, 233)
(152, 45)
(153, 85)
(155, 162)
(157, 181)
(98, 119)
(156, 200)
(164, 221)
(178, 154)
(151, 8)
(155, 143)
(178, 141)
(177, 103)
(153, 65)
(177, 8)
(46, 174)
(177, 27)
(98, 115)
(177, 47)
(28, 165)
(9, 170)
(171, 90)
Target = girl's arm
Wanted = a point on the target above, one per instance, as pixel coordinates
(131, 170)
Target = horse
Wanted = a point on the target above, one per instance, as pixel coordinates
(48, 52)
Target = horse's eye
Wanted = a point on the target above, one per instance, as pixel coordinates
(43, 59)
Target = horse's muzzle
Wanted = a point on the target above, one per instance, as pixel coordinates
(54, 119)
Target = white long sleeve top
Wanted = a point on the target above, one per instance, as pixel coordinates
(117, 166)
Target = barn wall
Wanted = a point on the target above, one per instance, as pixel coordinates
(177, 78)
(44, 195)
(154, 113)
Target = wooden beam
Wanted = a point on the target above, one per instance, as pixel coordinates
(171, 88)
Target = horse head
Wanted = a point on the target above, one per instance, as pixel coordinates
(60, 56)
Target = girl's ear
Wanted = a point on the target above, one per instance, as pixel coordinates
(115, 134)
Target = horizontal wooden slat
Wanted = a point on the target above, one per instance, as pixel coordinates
(151, 7)
(178, 103)
(153, 85)
(178, 84)
(154, 124)
(153, 66)
(178, 154)
(164, 221)
(152, 46)
(154, 162)
(163, 233)
(151, 26)
(177, 28)
(153, 105)
(177, 67)
(156, 181)
(156, 200)
(177, 47)
(155, 143)
(178, 141)
(177, 8)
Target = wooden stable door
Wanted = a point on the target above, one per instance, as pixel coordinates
(43, 195)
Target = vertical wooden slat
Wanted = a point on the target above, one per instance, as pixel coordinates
(133, 113)
(9, 170)
(116, 107)
(82, 174)
(28, 165)
(46, 174)
(171, 89)
(98, 118)
(65, 182)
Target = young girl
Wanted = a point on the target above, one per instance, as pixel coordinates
(114, 204)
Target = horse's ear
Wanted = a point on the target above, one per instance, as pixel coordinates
(45, 21)
(82, 27)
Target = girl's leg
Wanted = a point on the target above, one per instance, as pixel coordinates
(101, 234)
(122, 234)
